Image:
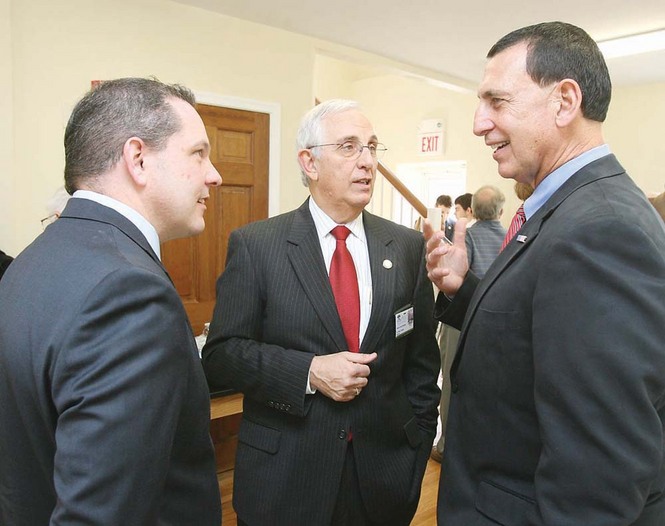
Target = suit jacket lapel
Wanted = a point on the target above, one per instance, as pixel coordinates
(607, 166)
(304, 253)
(381, 248)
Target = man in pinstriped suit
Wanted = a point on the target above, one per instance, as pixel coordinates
(328, 436)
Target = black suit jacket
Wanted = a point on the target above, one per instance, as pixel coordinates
(104, 406)
(275, 311)
(558, 400)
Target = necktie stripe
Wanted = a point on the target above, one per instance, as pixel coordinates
(515, 224)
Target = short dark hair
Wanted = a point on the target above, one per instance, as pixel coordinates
(111, 113)
(464, 200)
(444, 200)
(558, 51)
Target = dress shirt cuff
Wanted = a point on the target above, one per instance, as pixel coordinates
(308, 389)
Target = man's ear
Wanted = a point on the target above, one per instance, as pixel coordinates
(307, 164)
(133, 156)
(569, 96)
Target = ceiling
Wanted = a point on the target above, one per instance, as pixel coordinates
(452, 38)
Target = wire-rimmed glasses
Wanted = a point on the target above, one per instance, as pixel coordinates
(353, 148)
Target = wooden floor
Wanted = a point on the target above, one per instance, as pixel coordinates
(425, 516)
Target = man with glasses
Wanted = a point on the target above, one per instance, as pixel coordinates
(331, 342)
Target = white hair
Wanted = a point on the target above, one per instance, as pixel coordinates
(310, 131)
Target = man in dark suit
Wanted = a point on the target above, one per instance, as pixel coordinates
(328, 436)
(558, 397)
(104, 407)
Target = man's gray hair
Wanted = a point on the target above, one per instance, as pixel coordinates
(487, 203)
(310, 132)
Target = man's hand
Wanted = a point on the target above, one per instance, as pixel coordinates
(340, 376)
(447, 264)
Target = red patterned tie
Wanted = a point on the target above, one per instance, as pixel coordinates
(344, 282)
(518, 220)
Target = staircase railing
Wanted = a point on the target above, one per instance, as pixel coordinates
(403, 190)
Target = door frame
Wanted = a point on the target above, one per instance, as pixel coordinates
(273, 109)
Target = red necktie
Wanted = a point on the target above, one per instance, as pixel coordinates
(518, 220)
(344, 282)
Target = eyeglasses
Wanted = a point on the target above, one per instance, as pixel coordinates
(352, 149)
(48, 220)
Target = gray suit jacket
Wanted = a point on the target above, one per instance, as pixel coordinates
(104, 407)
(558, 400)
(275, 311)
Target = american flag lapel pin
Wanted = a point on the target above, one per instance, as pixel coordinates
(521, 238)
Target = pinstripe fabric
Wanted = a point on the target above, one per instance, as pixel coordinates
(275, 311)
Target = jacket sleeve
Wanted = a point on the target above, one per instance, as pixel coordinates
(234, 353)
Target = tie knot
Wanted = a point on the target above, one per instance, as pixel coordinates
(340, 233)
(520, 212)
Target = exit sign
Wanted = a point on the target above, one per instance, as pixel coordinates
(430, 137)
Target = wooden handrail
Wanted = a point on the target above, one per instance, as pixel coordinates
(403, 190)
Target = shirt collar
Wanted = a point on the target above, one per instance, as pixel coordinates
(324, 224)
(132, 215)
(555, 180)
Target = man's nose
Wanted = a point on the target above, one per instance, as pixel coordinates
(482, 124)
(214, 178)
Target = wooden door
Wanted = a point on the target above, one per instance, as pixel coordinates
(239, 142)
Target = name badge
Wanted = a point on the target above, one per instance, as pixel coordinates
(404, 321)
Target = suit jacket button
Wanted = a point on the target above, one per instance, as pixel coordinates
(454, 387)
(342, 434)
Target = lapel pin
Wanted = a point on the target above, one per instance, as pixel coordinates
(521, 239)
(387, 264)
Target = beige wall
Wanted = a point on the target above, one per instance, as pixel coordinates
(57, 48)
(6, 136)
(634, 132)
(50, 51)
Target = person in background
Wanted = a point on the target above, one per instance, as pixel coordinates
(658, 202)
(5, 260)
(522, 190)
(445, 203)
(55, 205)
(558, 394)
(463, 209)
(323, 321)
(105, 410)
(485, 236)
(483, 241)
